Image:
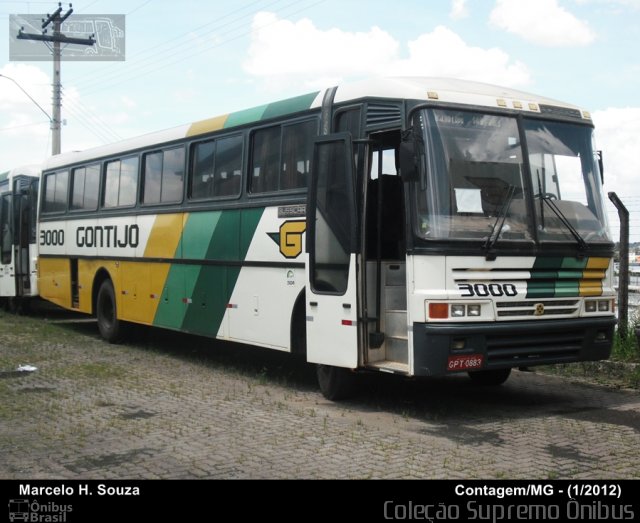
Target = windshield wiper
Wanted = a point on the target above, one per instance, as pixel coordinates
(496, 230)
(582, 245)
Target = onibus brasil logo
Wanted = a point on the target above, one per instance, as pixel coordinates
(25, 510)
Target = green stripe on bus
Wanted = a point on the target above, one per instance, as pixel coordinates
(564, 289)
(569, 275)
(272, 110)
(193, 244)
(246, 116)
(289, 106)
(197, 234)
(543, 275)
(557, 262)
(555, 277)
(214, 286)
(206, 290)
(540, 289)
(574, 263)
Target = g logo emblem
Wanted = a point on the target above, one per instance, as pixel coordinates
(291, 238)
(539, 309)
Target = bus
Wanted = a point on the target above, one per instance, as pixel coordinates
(18, 225)
(415, 226)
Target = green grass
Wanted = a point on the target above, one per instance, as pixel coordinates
(625, 348)
(96, 370)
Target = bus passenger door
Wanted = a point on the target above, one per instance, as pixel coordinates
(332, 304)
(22, 235)
(7, 280)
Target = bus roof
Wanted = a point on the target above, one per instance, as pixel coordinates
(26, 170)
(414, 88)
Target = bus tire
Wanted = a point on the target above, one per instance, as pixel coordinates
(490, 378)
(111, 328)
(336, 383)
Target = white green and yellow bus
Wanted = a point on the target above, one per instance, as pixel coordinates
(18, 246)
(414, 226)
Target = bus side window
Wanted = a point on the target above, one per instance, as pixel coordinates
(163, 176)
(297, 149)
(121, 183)
(55, 196)
(281, 157)
(228, 166)
(216, 168)
(202, 170)
(85, 184)
(264, 160)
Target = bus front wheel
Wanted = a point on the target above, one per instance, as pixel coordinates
(491, 377)
(111, 328)
(336, 383)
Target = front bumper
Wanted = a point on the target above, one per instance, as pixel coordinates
(511, 344)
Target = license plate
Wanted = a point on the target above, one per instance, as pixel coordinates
(467, 362)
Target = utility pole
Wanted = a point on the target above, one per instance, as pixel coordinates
(623, 266)
(57, 38)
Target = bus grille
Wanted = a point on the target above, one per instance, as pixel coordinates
(532, 308)
(556, 347)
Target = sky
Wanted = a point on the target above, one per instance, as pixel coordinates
(190, 60)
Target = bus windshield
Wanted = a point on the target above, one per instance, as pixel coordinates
(474, 177)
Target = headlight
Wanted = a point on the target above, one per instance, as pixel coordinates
(603, 305)
(457, 311)
(473, 310)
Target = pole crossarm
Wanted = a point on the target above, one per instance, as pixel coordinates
(55, 38)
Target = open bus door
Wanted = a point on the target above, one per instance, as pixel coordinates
(7, 282)
(331, 297)
(17, 241)
(23, 191)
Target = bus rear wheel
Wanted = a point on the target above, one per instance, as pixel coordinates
(111, 328)
(336, 383)
(493, 377)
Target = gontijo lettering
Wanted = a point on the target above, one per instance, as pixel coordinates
(108, 236)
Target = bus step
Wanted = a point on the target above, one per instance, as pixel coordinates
(394, 367)
(396, 349)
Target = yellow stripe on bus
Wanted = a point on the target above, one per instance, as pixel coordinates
(165, 235)
(207, 126)
(142, 284)
(590, 288)
(54, 282)
(598, 263)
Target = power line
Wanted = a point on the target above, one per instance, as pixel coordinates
(22, 125)
(172, 58)
(79, 106)
(89, 124)
(168, 48)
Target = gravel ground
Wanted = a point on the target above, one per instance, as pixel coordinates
(167, 405)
